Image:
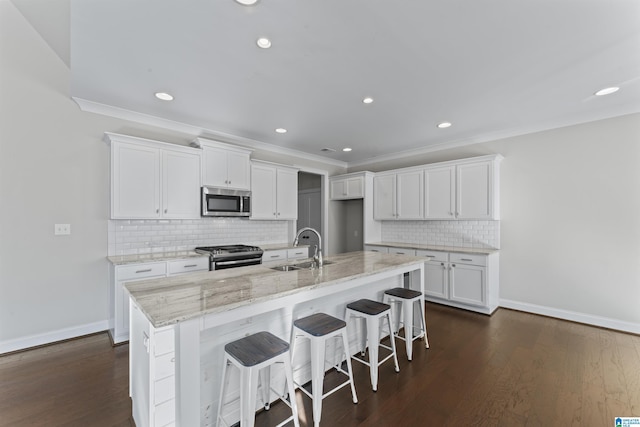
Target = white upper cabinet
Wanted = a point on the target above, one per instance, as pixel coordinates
(151, 180)
(475, 191)
(274, 191)
(465, 189)
(398, 195)
(440, 192)
(180, 184)
(224, 165)
(350, 186)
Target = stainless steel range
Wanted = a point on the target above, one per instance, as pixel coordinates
(230, 256)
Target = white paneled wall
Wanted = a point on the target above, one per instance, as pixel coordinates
(127, 237)
(466, 234)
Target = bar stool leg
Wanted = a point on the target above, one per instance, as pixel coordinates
(265, 380)
(248, 392)
(317, 377)
(373, 338)
(393, 343)
(291, 389)
(407, 311)
(345, 344)
(223, 388)
(423, 318)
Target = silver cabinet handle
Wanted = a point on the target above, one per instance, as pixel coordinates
(466, 259)
(157, 210)
(275, 256)
(442, 264)
(165, 211)
(190, 265)
(453, 265)
(143, 271)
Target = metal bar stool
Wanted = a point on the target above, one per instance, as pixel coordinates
(406, 298)
(372, 312)
(318, 328)
(253, 356)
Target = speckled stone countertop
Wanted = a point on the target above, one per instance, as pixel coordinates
(166, 301)
(481, 251)
(151, 257)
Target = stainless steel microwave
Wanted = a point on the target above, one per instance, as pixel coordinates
(224, 202)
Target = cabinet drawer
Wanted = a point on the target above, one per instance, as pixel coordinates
(188, 265)
(165, 365)
(298, 253)
(140, 271)
(277, 255)
(165, 413)
(472, 259)
(164, 341)
(165, 389)
(437, 255)
(382, 249)
(402, 251)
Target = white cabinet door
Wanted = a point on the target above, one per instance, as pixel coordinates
(468, 284)
(238, 170)
(135, 181)
(338, 189)
(180, 185)
(409, 195)
(287, 193)
(263, 192)
(384, 197)
(474, 191)
(225, 167)
(439, 190)
(355, 187)
(436, 280)
(214, 165)
(274, 192)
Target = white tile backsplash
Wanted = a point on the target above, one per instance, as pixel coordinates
(128, 237)
(466, 234)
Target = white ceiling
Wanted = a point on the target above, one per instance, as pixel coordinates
(493, 68)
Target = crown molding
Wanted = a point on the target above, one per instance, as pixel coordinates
(146, 119)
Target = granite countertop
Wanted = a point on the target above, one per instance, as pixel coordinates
(459, 249)
(166, 301)
(151, 257)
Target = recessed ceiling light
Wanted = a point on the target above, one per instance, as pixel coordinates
(164, 96)
(607, 91)
(263, 43)
(247, 2)
(367, 100)
(328, 150)
(281, 130)
(444, 125)
(346, 149)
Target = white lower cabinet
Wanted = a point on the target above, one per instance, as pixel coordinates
(282, 255)
(120, 274)
(152, 372)
(468, 281)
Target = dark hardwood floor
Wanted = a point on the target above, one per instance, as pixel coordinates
(510, 369)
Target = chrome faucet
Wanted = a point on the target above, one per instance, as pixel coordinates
(317, 256)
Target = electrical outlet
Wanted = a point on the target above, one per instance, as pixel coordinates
(62, 229)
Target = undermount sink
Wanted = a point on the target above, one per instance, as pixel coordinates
(307, 265)
(285, 268)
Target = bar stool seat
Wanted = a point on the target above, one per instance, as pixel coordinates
(372, 311)
(253, 356)
(406, 299)
(318, 328)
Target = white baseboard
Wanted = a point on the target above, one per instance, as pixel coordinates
(573, 316)
(51, 337)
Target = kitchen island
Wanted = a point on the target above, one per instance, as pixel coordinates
(179, 325)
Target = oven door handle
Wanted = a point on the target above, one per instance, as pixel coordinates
(236, 262)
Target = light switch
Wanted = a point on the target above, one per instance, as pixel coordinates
(62, 229)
